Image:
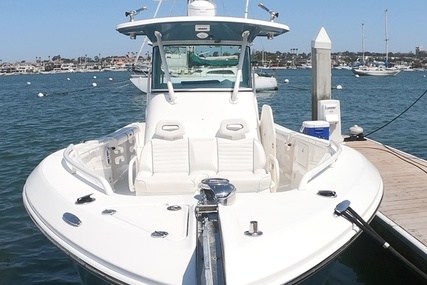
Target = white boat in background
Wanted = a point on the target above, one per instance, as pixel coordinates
(209, 189)
(140, 76)
(265, 82)
(140, 81)
(262, 81)
(343, 67)
(376, 69)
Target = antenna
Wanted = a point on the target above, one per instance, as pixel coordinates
(273, 15)
(133, 13)
(246, 9)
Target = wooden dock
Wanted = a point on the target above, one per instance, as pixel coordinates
(405, 186)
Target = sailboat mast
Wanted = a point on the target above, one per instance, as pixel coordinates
(386, 38)
(363, 44)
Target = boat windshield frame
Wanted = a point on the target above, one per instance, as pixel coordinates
(189, 64)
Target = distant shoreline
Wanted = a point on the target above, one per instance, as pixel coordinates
(262, 59)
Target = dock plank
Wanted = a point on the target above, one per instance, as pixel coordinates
(405, 186)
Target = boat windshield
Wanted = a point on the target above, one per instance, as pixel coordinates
(200, 67)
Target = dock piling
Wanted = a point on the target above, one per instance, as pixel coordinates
(321, 72)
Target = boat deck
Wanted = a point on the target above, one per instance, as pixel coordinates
(405, 186)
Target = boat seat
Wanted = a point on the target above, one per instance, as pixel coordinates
(173, 164)
(203, 158)
(241, 160)
(163, 162)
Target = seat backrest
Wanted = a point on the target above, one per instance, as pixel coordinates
(235, 155)
(203, 155)
(167, 152)
(235, 152)
(170, 156)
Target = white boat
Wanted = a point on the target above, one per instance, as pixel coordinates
(207, 190)
(376, 69)
(262, 81)
(265, 82)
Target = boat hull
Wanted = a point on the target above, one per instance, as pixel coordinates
(208, 190)
(301, 233)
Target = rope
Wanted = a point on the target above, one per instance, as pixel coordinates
(410, 106)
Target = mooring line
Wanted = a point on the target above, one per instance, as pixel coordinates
(404, 111)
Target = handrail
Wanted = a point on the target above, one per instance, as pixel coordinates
(313, 172)
(130, 173)
(78, 164)
(274, 170)
(245, 36)
(166, 67)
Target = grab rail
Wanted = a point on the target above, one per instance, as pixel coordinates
(130, 173)
(69, 152)
(313, 172)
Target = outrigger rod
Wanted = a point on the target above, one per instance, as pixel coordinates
(273, 15)
(133, 13)
(344, 209)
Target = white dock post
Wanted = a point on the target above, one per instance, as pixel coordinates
(321, 72)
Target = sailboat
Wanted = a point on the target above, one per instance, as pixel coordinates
(376, 69)
(208, 189)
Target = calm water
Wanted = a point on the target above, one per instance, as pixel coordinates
(74, 110)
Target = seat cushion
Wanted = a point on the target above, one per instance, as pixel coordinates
(235, 155)
(243, 162)
(164, 183)
(247, 181)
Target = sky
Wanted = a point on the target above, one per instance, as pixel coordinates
(45, 28)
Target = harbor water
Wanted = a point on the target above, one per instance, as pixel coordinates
(73, 110)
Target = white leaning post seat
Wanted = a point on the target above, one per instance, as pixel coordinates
(241, 160)
(163, 163)
(173, 164)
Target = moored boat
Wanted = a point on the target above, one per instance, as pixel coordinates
(208, 190)
(262, 81)
(376, 69)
